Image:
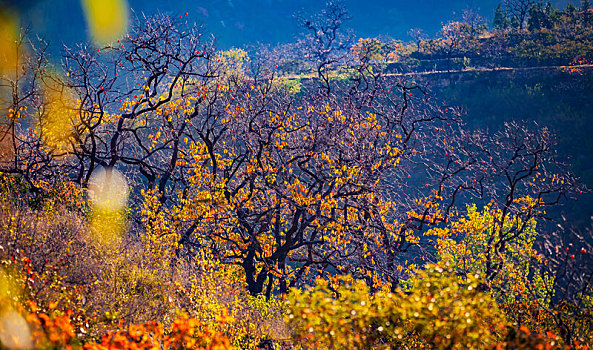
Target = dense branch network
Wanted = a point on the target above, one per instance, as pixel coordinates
(344, 174)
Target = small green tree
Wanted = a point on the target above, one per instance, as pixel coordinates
(586, 13)
(501, 20)
(537, 17)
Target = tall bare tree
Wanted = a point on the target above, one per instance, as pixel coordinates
(518, 11)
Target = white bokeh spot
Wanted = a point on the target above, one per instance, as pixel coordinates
(108, 189)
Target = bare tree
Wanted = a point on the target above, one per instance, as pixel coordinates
(518, 11)
(568, 254)
(326, 42)
(418, 35)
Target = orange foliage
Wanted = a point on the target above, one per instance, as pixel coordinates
(184, 333)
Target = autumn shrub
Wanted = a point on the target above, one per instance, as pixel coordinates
(522, 338)
(62, 263)
(438, 311)
(183, 333)
(134, 280)
(502, 249)
(342, 314)
(27, 326)
(213, 289)
(24, 324)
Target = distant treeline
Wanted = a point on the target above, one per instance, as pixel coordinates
(524, 33)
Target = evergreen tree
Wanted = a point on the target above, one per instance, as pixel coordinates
(549, 14)
(571, 16)
(536, 17)
(586, 13)
(570, 9)
(500, 19)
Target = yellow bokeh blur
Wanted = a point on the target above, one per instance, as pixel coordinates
(107, 228)
(60, 117)
(107, 19)
(8, 289)
(9, 57)
(8, 37)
